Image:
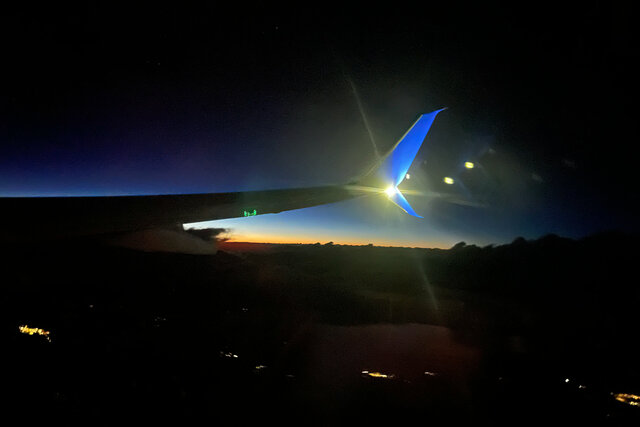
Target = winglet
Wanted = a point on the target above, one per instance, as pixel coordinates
(398, 198)
(394, 166)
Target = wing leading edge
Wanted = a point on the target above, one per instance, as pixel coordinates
(77, 216)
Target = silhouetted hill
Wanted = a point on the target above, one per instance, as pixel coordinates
(548, 262)
(515, 268)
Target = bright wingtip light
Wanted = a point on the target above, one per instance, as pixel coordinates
(469, 165)
(390, 191)
(448, 180)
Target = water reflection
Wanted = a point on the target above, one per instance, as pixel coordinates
(408, 351)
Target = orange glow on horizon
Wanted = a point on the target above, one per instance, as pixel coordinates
(284, 239)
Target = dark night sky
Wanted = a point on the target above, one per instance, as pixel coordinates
(104, 100)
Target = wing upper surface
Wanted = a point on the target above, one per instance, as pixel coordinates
(94, 215)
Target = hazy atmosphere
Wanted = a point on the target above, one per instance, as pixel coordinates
(158, 100)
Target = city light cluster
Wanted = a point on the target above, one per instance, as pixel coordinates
(629, 399)
(378, 375)
(25, 329)
(228, 355)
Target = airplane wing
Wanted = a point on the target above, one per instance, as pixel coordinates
(76, 216)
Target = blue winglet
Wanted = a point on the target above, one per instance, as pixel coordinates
(398, 198)
(394, 168)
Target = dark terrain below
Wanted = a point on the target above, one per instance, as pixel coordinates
(530, 332)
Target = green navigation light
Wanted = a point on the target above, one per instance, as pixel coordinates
(251, 213)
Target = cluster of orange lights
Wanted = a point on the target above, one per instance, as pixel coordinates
(25, 329)
(629, 399)
(378, 375)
